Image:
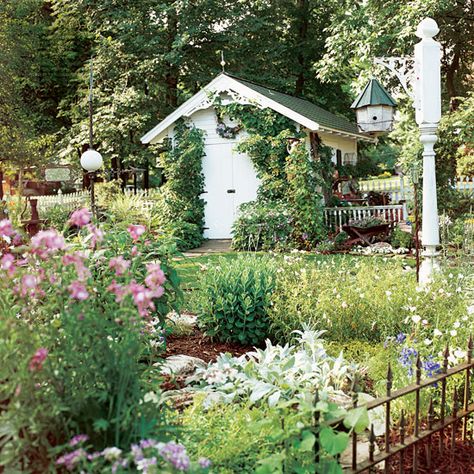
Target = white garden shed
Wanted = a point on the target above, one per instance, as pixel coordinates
(230, 177)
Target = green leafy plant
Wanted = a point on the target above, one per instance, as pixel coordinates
(366, 299)
(401, 239)
(263, 225)
(79, 324)
(235, 297)
(182, 208)
(277, 372)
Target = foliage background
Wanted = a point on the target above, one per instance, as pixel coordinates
(150, 56)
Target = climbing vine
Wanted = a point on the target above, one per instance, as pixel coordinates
(289, 181)
(181, 210)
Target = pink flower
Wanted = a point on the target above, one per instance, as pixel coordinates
(156, 276)
(78, 291)
(77, 259)
(142, 297)
(6, 228)
(134, 251)
(29, 285)
(136, 231)
(119, 264)
(36, 362)
(80, 217)
(46, 242)
(118, 290)
(8, 263)
(96, 235)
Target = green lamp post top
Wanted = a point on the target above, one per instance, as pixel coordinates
(373, 94)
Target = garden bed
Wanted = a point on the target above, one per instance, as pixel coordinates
(199, 345)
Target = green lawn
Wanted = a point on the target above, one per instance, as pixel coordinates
(189, 267)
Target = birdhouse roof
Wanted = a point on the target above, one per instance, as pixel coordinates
(373, 94)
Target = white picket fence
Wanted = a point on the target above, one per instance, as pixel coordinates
(70, 201)
(402, 190)
(336, 217)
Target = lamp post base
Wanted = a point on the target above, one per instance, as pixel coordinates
(429, 265)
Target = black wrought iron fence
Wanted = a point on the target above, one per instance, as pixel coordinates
(448, 414)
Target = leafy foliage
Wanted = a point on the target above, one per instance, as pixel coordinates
(263, 225)
(234, 299)
(351, 300)
(182, 208)
(303, 197)
(86, 318)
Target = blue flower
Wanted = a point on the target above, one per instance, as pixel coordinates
(431, 367)
(401, 338)
(407, 359)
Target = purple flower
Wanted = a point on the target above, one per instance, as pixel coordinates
(145, 464)
(176, 455)
(80, 438)
(6, 228)
(401, 338)
(70, 460)
(37, 360)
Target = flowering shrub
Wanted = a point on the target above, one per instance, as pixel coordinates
(79, 322)
(234, 299)
(148, 456)
(367, 299)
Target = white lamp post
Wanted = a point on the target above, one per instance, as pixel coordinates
(426, 95)
(428, 114)
(91, 160)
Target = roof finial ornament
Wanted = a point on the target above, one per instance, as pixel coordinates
(223, 61)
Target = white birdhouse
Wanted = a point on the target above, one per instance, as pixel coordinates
(374, 108)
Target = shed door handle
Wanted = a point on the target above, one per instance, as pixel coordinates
(231, 191)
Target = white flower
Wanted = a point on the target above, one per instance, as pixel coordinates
(424, 322)
(344, 304)
(458, 289)
(111, 454)
(416, 319)
(459, 354)
(450, 275)
(456, 325)
(437, 332)
(470, 309)
(427, 342)
(388, 293)
(453, 332)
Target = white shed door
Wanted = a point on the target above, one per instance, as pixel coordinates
(230, 180)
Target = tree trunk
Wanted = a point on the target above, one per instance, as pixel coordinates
(172, 72)
(451, 81)
(303, 22)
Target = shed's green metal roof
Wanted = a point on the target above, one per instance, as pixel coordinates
(373, 94)
(303, 107)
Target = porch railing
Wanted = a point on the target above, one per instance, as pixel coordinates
(336, 217)
(446, 415)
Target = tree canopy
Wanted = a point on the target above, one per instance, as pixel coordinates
(149, 55)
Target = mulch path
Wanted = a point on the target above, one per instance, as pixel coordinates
(199, 345)
(458, 461)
